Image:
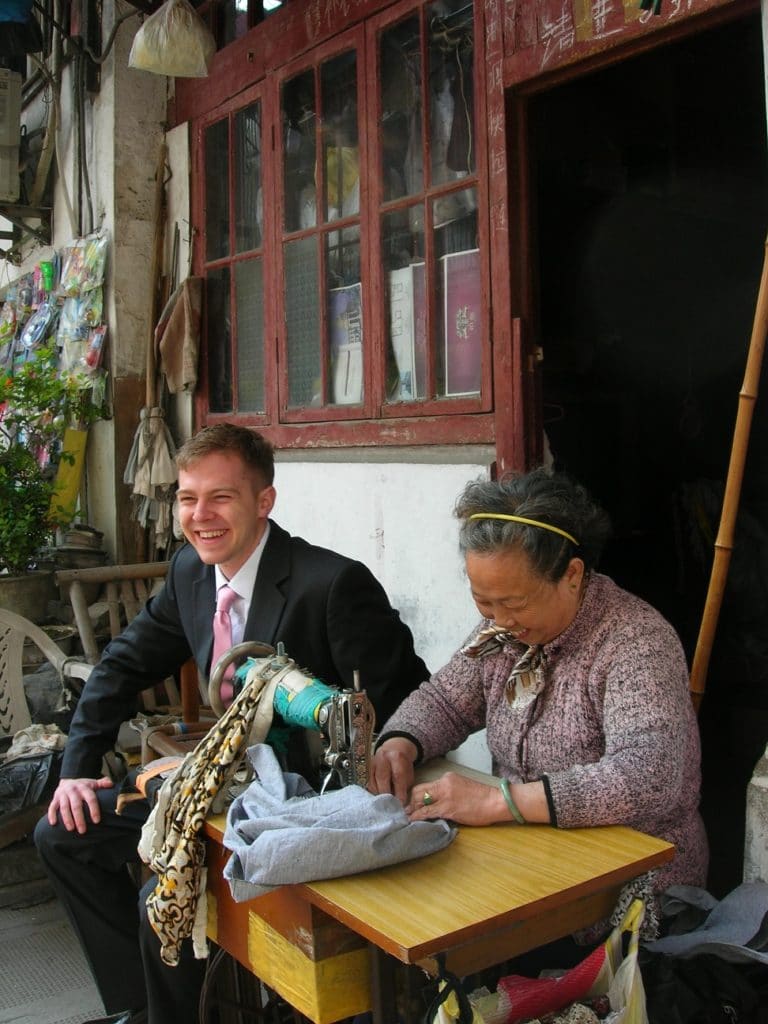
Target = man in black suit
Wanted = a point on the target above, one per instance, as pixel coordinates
(329, 611)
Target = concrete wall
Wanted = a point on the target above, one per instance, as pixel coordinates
(123, 126)
(395, 516)
(129, 117)
(756, 838)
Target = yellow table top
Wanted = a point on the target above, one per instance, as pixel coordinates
(486, 879)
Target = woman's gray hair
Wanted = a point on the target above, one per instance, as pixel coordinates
(544, 497)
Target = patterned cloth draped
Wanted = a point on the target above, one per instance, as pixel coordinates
(171, 844)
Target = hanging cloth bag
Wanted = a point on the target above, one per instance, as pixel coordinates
(173, 41)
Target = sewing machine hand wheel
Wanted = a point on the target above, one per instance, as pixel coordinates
(247, 649)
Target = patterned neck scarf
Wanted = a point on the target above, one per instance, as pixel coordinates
(490, 640)
(526, 680)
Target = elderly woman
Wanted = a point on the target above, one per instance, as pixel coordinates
(582, 687)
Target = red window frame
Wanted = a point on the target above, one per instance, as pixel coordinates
(439, 420)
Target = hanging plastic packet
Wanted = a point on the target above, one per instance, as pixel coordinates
(46, 275)
(79, 315)
(7, 321)
(99, 388)
(94, 349)
(40, 326)
(24, 300)
(174, 41)
(83, 263)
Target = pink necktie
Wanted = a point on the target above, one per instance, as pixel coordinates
(222, 637)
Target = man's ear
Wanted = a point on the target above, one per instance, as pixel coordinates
(267, 499)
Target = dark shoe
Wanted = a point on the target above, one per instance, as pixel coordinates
(126, 1017)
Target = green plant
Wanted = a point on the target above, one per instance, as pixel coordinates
(37, 404)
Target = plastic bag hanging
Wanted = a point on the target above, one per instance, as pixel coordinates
(173, 41)
(450, 1004)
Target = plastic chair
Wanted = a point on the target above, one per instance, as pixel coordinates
(15, 630)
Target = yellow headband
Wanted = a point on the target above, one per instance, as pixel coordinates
(526, 522)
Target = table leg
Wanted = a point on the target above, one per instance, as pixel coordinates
(382, 986)
(396, 990)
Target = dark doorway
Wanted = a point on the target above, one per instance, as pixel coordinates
(651, 212)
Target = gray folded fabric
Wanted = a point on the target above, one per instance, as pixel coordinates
(280, 831)
(728, 928)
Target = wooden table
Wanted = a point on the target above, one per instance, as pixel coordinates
(493, 893)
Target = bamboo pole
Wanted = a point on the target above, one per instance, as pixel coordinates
(724, 539)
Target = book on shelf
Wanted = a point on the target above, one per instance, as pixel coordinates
(408, 330)
(345, 326)
(462, 321)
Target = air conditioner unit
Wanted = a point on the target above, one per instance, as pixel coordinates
(10, 130)
(10, 107)
(10, 183)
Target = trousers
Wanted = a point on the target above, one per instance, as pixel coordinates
(90, 876)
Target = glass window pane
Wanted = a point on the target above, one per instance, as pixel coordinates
(402, 161)
(338, 83)
(302, 318)
(249, 219)
(298, 104)
(234, 20)
(218, 324)
(249, 295)
(459, 328)
(405, 283)
(451, 46)
(345, 317)
(217, 191)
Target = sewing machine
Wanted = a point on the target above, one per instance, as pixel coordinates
(342, 719)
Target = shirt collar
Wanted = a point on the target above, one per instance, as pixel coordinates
(244, 579)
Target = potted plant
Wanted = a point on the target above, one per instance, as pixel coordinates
(37, 406)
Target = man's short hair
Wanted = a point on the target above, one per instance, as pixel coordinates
(251, 446)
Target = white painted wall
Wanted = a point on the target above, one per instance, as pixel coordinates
(397, 519)
(756, 839)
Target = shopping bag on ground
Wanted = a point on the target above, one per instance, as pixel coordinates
(608, 970)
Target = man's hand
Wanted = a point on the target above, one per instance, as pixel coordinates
(71, 798)
(392, 768)
(458, 799)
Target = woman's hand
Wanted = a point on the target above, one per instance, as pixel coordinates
(459, 799)
(392, 768)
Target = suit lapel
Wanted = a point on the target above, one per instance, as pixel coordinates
(203, 607)
(268, 600)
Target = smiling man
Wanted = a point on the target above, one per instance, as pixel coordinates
(329, 611)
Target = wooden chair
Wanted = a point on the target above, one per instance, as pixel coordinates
(123, 590)
(15, 631)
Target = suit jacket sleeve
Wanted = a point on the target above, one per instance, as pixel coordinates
(366, 633)
(152, 647)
